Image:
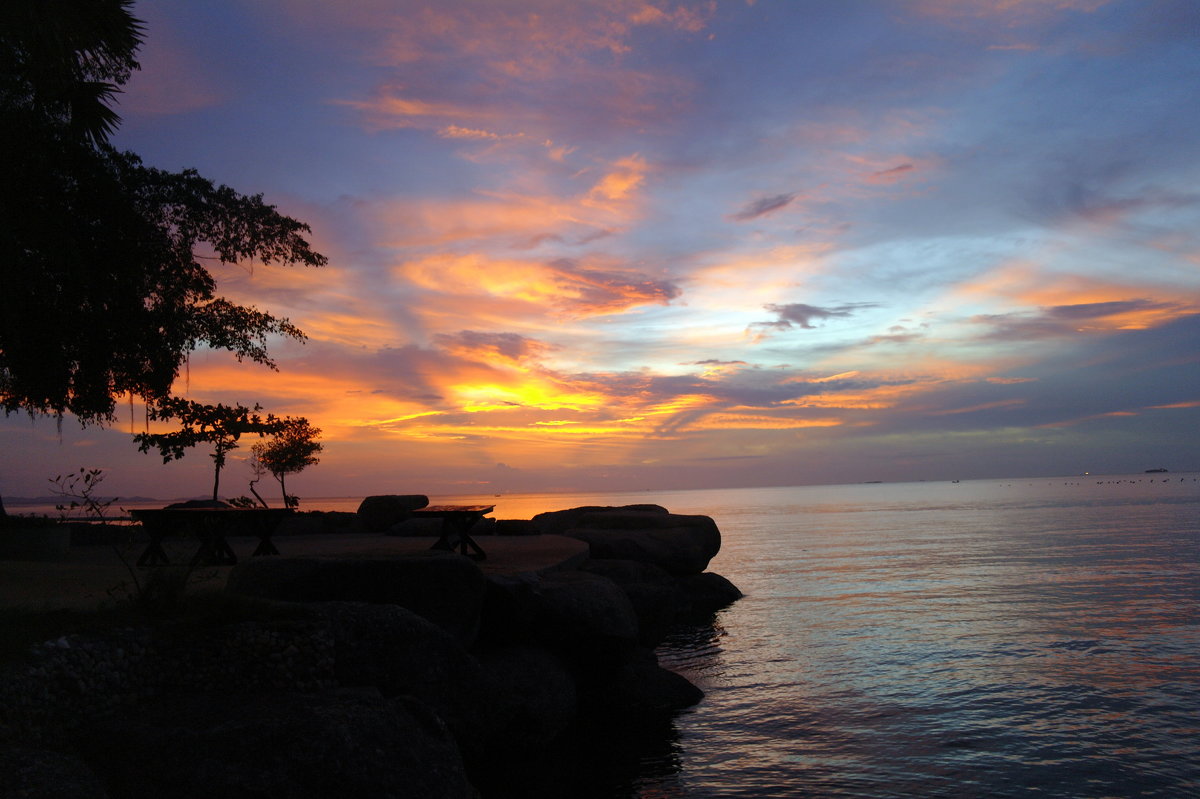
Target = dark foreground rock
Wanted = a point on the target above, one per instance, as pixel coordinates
(444, 588)
(676, 543)
(407, 676)
(41, 774)
(394, 650)
(378, 513)
(316, 746)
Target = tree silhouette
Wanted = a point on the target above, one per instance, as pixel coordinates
(219, 425)
(292, 449)
(102, 287)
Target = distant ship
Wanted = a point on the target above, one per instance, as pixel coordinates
(1155, 471)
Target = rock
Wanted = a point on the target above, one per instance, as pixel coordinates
(556, 522)
(678, 544)
(288, 746)
(198, 503)
(516, 527)
(584, 613)
(641, 687)
(584, 616)
(655, 595)
(705, 594)
(378, 513)
(534, 696)
(40, 774)
(445, 588)
(400, 653)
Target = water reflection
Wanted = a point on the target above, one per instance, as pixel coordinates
(1005, 645)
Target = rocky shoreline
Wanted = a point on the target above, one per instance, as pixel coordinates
(415, 675)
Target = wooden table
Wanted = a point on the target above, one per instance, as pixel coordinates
(210, 526)
(457, 521)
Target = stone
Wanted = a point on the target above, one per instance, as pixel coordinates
(378, 513)
(639, 686)
(534, 696)
(677, 543)
(445, 588)
(400, 653)
(516, 527)
(584, 613)
(705, 594)
(348, 743)
(557, 522)
(584, 616)
(655, 595)
(201, 504)
(40, 774)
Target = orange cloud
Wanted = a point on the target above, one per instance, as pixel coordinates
(570, 290)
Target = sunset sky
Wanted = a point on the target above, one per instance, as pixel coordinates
(620, 245)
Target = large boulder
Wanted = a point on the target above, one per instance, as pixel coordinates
(655, 595)
(557, 522)
(582, 615)
(42, 774)
(378, 513)
(639, 686)
(445, 588)
(400, 653)
(534, 696)
(199, 504)
(676, 543)
(705, 594)
(291, 746)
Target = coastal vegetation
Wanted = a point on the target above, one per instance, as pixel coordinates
(106, 291)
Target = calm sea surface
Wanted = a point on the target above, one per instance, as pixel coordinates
(999, 638)
(1002, 638)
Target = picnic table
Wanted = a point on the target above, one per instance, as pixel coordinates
(457, 521)
(210, 526)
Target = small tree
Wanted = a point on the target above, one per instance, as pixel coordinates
(289, 451)
(219, 425)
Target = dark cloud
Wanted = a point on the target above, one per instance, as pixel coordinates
(476, 344)
(802, 315)
(1062, 320)
(589, 292)
(889, 175)
(763, 207)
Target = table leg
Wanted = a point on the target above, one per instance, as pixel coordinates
(154, 554)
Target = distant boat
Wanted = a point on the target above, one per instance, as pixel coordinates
(1155, 471)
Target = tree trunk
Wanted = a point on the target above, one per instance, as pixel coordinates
(261, 501)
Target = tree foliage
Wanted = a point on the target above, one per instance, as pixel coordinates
(291, 450)
(63, 61)
(104, 289)
(222, 426)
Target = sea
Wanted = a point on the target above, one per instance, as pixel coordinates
(984, 638)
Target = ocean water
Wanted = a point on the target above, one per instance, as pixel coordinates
(1005, 638)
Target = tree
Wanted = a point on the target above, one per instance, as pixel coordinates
(219, 425)
(63, 61)
(289, 451)
(103, 291)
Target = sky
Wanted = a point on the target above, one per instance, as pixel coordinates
(619, 244)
